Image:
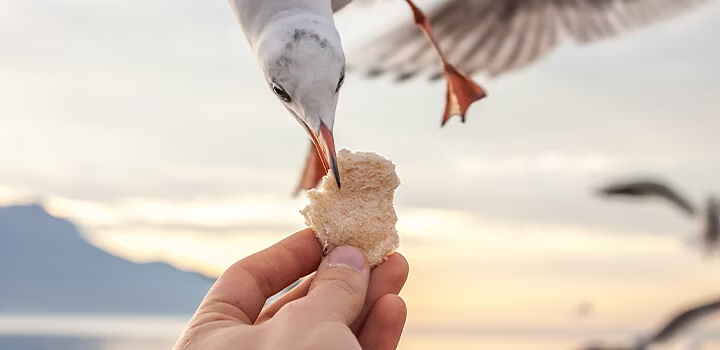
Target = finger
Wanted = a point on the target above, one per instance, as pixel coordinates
(240, 293)
(298, 292)
(338, 290)
(387, 278)
(384, 325)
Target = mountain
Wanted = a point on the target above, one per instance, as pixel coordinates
(46, 266)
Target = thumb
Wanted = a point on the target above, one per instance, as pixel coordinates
(337, 292)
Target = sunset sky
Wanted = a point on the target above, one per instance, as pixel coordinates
(148, 123)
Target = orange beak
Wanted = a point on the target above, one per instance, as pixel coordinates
(325, 147)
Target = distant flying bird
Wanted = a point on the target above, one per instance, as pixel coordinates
(299, 50)
(651, 189)
(678, 323)
(709, 216)
(583, 309)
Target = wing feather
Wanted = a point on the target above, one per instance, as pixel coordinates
(650, 188)
(685, 319)
(499, 36)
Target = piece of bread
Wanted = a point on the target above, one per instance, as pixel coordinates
(361, 213)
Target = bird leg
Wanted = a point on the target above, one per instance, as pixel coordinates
(461, 93)
(314, 170)
(461, 90)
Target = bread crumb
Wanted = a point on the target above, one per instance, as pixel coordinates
(361, 214)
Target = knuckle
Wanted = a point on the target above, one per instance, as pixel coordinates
(343, 286)
(292, 308)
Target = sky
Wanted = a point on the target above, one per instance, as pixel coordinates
(148, 123)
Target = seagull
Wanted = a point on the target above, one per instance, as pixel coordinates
(299, 50)
(583, 309)
(649, 189)
(709, 217)
(678, 323)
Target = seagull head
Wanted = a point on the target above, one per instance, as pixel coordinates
(304, 66)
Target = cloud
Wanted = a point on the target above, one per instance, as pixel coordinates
(260, 214)
(546, 163)
(14, 195)
(219, 213)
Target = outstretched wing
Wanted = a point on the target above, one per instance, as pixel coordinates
(649, 188)
(685, 319)
(499, 36)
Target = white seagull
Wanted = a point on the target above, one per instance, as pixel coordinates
(299, 49)
(708, 216)
(678, 323)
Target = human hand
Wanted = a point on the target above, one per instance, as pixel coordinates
(340, 307)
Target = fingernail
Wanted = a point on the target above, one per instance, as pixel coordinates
(348, 257)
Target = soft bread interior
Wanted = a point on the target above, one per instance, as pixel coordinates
(361, 213)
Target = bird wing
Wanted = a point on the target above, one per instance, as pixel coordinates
(649, 188)
(499, 36)
(711, 231)
(684, 319)
(604, 347)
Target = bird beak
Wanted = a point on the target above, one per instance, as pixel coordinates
(325, 146)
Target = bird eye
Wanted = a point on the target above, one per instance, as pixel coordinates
(340, 83)
(281, 93)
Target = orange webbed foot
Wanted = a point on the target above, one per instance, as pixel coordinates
(461, 93)
(461, 90)
(313, 172)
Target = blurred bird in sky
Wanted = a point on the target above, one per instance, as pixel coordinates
(673, 327)
(708, 216)
(583, 309)
(299, 50)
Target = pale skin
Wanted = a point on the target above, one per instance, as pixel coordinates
(343, 305)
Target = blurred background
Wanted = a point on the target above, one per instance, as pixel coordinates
(141, 153)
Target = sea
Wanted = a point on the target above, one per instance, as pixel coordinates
(112, 332)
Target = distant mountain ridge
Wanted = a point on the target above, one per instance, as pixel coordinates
(46, 266)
